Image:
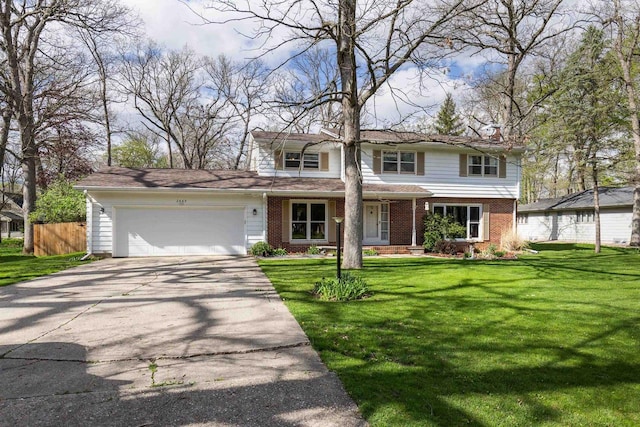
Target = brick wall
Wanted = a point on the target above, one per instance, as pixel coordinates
(400, 216)
(500, 216)
(274, 222)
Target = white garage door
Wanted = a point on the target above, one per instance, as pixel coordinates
(179, 231)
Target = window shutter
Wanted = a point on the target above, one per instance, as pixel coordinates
(486, 210)
(377, 162)
(324, 162)
(331, 223)
(420, 163)
(286, 224)
(463, 165)
(502, 167)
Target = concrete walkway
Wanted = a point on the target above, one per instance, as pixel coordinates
(161, 341)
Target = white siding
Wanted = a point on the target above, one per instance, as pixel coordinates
(102, 223)
(265, 163)
(615, 227)
(442, 175)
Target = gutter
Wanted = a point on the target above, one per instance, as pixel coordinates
(375, 194)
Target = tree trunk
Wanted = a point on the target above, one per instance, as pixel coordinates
(596, 207)
(630, 86)
(29, 186)
(351, 114)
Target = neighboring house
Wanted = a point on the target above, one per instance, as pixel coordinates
(571, 218)
(11, 216)
(293, 189)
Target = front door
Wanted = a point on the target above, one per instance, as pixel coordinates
(376, 224)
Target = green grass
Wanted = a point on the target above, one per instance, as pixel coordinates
(16, 267)
(549, 339)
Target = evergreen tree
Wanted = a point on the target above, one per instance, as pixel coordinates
(448, 122)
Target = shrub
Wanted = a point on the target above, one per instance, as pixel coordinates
(313, 250)
(261, 249)
(437, 228)
(280, 252)
(445, 247)
(347, 288)
(60, 203)
(370, 252)
(499, 254)
(510, 241)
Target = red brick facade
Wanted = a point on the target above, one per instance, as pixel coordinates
(400, 221)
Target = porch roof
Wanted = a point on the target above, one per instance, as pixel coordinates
(225, 181)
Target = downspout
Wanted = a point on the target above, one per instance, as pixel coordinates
(264, 217)
(515, 217)
(89, 227)
(413, 222)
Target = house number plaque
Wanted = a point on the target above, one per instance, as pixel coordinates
(181, 202)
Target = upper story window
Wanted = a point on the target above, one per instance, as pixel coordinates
(399, 162)
(584, 216)
(293, 160)
(483, 166)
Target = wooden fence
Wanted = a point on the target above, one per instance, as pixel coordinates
(58, 239)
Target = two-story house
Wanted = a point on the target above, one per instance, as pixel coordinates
(293, 189)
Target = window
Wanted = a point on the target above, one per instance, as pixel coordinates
(308, 221)
(523, 218)
(309, 160)
(483, 166)
(399, 162)
(584, 216)
(468, 216)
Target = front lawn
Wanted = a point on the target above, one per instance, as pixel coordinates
(549, 339)
(16, 267)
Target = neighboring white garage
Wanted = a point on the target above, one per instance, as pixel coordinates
(165, 231)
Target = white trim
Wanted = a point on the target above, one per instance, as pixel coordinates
(413, 222)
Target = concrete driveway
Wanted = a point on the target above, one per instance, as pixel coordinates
(160, 341)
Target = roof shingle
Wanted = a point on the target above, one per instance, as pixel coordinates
(117, 178)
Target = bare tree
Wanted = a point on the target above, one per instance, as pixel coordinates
(244, 88)
(371, 41)
(167, 89)
(33, 38)
(513, 30)
(311, 75)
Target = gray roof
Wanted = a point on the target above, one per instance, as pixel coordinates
(609, 197)
(117, 178)
(386, 137)
(11, 215)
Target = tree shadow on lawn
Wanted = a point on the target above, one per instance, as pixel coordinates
(525, 369)
(443, 391)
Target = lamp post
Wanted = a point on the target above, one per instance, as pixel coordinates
(338, 220)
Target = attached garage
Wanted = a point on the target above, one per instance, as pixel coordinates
(166, 231)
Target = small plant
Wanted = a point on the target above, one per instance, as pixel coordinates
(280, 252)
(467, 255)
(499, 254)
(445, 247)
(347, 288)
(313, 250)
(511, 242)
(369, 252)
(261, 249)
(437, 228)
